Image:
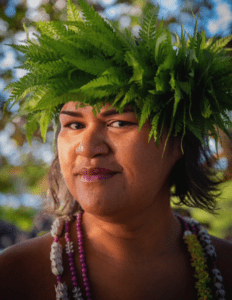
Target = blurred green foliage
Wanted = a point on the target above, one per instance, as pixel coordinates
(21, 217)
(218, 226)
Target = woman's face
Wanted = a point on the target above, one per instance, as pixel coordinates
(113, 142)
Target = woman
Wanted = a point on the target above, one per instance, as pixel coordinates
(133, 242)
(121, 237)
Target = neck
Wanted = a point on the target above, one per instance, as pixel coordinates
(139, 239)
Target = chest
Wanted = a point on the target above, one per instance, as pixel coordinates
(163, 280)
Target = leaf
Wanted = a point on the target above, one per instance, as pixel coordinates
(178, 96)
(221, 43)
(72, 12)
(172, 81)
(162, 81)
(95, 19)
(127, 42)
(117, 99)
(45, 120)
(129, 96)
(206, 113)
(185, 86)
(154, 129)
(158, 44)
(98, 82)
(95, 66)
(148, 26)
(138, 69)
(177, 42)
(146, 111)
(31, 126)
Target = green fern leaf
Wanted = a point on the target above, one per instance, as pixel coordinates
(95, 66)
(159, 43)
(95, 19)
(51, 28)
(146, 111)
(117, 99)
(177, 42)
(154, 129)
(221, 43)
(185, 86)
(21, 48)
(72, 12)
(138, 71)
(31, 125)
(178, 96)
(129, 96)
(45, 119)
(148, 27)
(127, 42)
(108, 45)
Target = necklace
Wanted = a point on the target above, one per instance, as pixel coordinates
(203, 258)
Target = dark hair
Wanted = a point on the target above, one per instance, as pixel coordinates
(193, 180)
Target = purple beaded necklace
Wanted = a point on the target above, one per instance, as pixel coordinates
(191, 227)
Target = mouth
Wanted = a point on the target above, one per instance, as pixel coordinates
(99, 177)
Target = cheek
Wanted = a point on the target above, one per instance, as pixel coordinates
(66, 156)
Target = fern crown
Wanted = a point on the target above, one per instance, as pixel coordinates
(87, 59)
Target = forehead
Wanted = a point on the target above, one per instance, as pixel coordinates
(71, 106)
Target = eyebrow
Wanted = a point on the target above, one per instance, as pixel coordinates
(107, 113)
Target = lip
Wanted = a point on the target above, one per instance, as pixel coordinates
(95, 171)
(99, 177)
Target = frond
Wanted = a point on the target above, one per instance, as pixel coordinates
(95, 19)
(95, 66)
(105, 80)
(72, 12)
(108, 45)
(221, 43)
(45, 119)
(146, 111)
(21, 48)
(148, 27)
(127, 42)
(31, 125)
(154, 129)
(132, 60)
(129, 96)
(53, 29)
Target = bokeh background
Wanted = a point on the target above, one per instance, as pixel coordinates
(23, 168)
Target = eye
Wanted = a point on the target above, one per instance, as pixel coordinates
(74, 125)
(123, 122)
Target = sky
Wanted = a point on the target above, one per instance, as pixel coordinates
(219, 24)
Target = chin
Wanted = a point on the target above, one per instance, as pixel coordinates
(99, 207)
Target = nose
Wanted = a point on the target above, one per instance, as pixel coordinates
(92, 144)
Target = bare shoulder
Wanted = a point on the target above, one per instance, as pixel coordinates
(224, 262)
(22, 264)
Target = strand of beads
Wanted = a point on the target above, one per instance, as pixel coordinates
(204, 239)
(56, 259)
(209, 254)
(69, 250)
(199, 263)
(82, 256)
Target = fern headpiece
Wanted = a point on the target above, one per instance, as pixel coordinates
(87, 59)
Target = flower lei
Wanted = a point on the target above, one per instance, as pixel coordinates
(199, 263)
(200, 250)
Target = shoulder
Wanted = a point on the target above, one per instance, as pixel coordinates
(224, 262)
(22, 264)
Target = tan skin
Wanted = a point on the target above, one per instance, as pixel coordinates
(132, 240)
